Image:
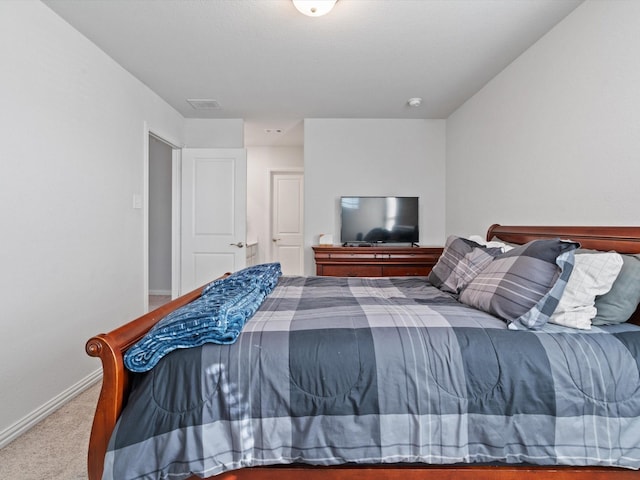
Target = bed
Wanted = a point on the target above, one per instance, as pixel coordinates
(117, 382)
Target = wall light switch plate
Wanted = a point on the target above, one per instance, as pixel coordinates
(137, 201)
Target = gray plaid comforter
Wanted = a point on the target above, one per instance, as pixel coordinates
(336, 370)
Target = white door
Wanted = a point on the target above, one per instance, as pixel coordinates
(214, 204)
(287, 221)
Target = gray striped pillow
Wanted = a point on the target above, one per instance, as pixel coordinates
(468, 267)
(455, 249)
(523, 286)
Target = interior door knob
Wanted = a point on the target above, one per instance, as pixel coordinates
(274, 240)
(239, 244)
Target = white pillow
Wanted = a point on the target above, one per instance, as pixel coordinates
(593, 274)
(491, 244)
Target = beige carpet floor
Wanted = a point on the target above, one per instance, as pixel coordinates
(56, 448)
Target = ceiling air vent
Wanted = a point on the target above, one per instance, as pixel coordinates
(203, 103)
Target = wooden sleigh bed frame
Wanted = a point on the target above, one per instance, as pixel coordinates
(110, 348)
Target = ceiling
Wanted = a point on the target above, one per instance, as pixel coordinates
(266, 63)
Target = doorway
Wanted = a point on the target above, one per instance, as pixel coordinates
(160, 222)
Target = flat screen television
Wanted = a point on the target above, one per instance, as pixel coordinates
(369, 220)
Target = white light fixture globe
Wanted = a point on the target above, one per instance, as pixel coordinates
(314, 8)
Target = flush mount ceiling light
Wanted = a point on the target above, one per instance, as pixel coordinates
(314, 8)
(415, 102)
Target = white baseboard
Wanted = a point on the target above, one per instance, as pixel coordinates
(39, 414)
(159, 292)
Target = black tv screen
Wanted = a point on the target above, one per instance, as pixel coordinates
(379, 220)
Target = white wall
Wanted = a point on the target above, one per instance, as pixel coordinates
(554, 138)
(261, 161)
(214, 133)
(372, 157)
(72, 130)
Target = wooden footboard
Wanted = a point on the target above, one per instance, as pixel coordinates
(110, 348)
(429, 472)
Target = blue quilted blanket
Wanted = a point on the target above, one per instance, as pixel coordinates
(334, 370)
(217, 316)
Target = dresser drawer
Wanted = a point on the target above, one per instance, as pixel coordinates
(405, 270)
(350, 256)
(352, 270)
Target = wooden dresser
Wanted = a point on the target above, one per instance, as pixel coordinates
(375, 261)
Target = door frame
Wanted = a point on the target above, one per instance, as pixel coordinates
(176, 164)
(272, 172)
